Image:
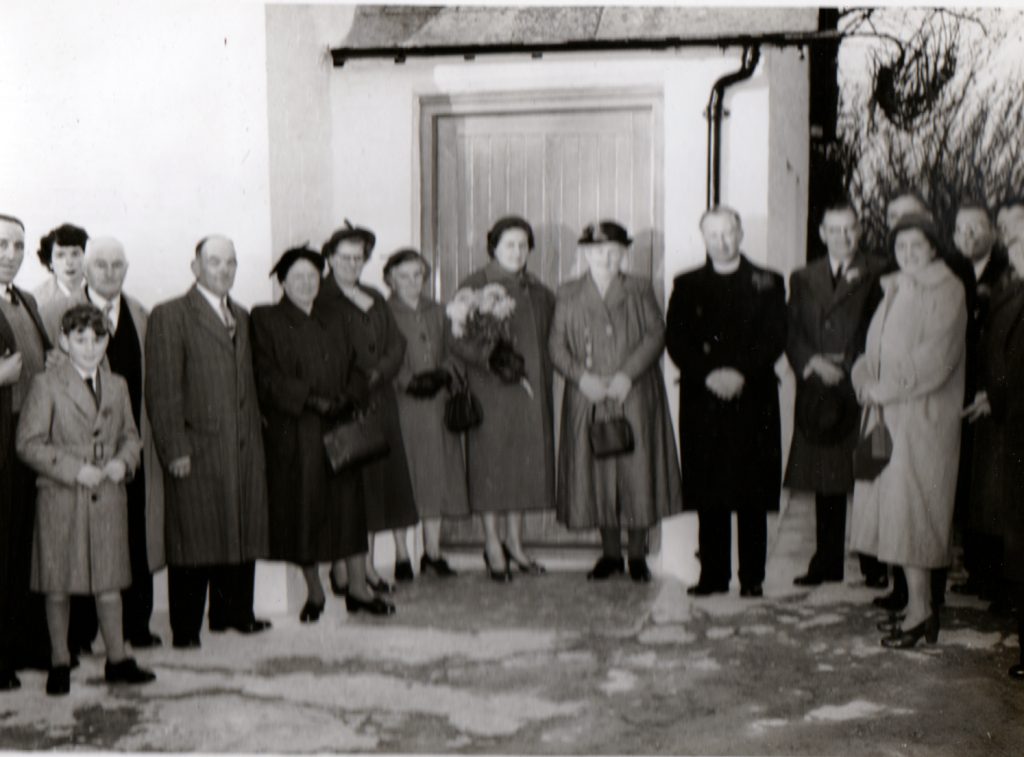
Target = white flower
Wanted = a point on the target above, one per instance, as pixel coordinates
(458, 313)
(852, 274)
(490, 296)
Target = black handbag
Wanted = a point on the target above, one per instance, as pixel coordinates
(611, 436)
(874, 446)
(356, 441)
(462, 411)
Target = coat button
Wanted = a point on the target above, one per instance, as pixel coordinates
(828, 325)
(96, 432)
(95, 497)
(707, 348)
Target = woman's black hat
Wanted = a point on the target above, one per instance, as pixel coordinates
(292, 256)
(605, 231)
(348, 231)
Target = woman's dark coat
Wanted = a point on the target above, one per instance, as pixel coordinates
(730, 450)
(379, 348)
(315, 514)
(511, 455)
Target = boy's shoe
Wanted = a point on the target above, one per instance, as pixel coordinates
(127, 671)
(58, 681)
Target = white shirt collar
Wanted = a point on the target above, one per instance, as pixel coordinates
(838, 265)
(214, 300)
(86, 374)
(101, 302)
(725, 268)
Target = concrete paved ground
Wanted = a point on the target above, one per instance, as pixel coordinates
(555, 665)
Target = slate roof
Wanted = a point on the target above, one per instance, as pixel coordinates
(406, 27)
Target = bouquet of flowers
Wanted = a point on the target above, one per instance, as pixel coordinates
(483, 315)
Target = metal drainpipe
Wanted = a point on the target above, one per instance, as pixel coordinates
(751, 55)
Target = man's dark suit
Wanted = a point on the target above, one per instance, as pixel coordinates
(24, 640)
(730, 449)
(828, 318)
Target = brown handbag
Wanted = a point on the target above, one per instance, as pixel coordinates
(874, 446)
(356, 441)
(611, 436)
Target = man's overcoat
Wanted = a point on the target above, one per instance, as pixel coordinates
(827, 320)
(202, 403)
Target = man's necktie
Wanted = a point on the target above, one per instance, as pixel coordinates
(12, 296)
(229, 320)
(108, 317)
(92, 390)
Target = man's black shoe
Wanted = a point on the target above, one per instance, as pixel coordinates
(190, 642)
(704, 590)
(9, 681)
(249, 626)
(639, 571)
(605, 568)
(753, 590)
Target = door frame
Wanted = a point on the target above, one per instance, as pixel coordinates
(542, 101)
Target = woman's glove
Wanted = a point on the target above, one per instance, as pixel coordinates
(506, 363)
(427, 384)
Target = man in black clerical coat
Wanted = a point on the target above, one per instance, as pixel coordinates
(726, 328)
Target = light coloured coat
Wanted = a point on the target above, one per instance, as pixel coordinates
(622, 331)
(202, 403)
(80, 543)
(51, 314)
(914, 361)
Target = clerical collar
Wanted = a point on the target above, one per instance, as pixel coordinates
(979, 266)
(726, 268)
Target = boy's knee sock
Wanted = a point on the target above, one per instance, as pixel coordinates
(108, 609)
(58, 613)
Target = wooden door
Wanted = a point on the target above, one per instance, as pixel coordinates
(560, 161)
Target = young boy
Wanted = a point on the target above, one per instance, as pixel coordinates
(77, 432)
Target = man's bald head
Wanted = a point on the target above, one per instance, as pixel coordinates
(105, 266)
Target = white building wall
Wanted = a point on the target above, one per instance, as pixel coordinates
(160, 122)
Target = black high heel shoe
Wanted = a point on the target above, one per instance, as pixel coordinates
(380, 586)
(338, 590)
(908, 638)
(501, 576)
(311, 612)
(375, 606)
(532, 567)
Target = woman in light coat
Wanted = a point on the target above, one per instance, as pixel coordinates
(607, 336)
(913, 369)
